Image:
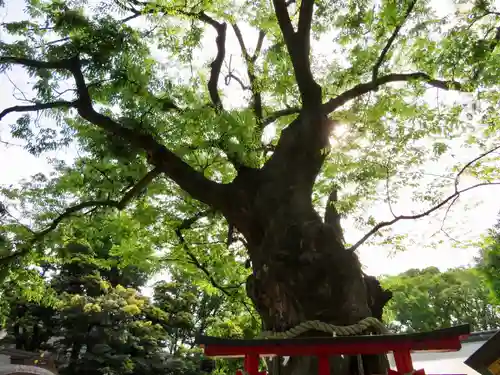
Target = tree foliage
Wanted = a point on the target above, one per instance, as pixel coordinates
(143, 107)
(489, 260)
(428, 299)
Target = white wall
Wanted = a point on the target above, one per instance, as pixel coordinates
(4, 359)
(445, 363)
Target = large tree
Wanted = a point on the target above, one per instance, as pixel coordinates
(164, 145)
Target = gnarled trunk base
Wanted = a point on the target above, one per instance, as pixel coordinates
(322, 282)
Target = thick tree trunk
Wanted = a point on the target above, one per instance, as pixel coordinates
(301, 270)
(319, 281)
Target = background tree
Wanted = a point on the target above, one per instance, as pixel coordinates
(191, 311)
(168, 155)
(110, 333)
(29, 322)
(489, 261)
(429, 299)
(95, 322)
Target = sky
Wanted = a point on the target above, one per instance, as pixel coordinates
(470, 218)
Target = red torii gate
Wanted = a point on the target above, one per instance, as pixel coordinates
(401, 345)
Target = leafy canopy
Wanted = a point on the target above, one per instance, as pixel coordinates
(201, 90)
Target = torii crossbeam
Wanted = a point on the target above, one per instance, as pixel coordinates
(401, 345)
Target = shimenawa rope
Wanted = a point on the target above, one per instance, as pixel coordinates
(316, 325)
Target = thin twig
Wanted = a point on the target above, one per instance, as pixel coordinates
(250, 63)
(384, 224)
(186, 224)
(387, 189)
(486, 153)
(451, 198)
(445, 216)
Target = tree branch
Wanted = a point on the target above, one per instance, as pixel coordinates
(190, 180)
(220, 41)
(451, 198)
(37, 107)
(138, 187)
(284, 21)
(491, 48)
(305, 23)
(186, 224)
(70, 211)
(216, 65)
(384, 224)
(391, 39)
(299, 47)
(363, 88)
(387, 190)
(258, 48)
(231, 76)
(459, 174)
(250, 63)
(36, 64)
(220, 145)
(280, 113)
(448, 209)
